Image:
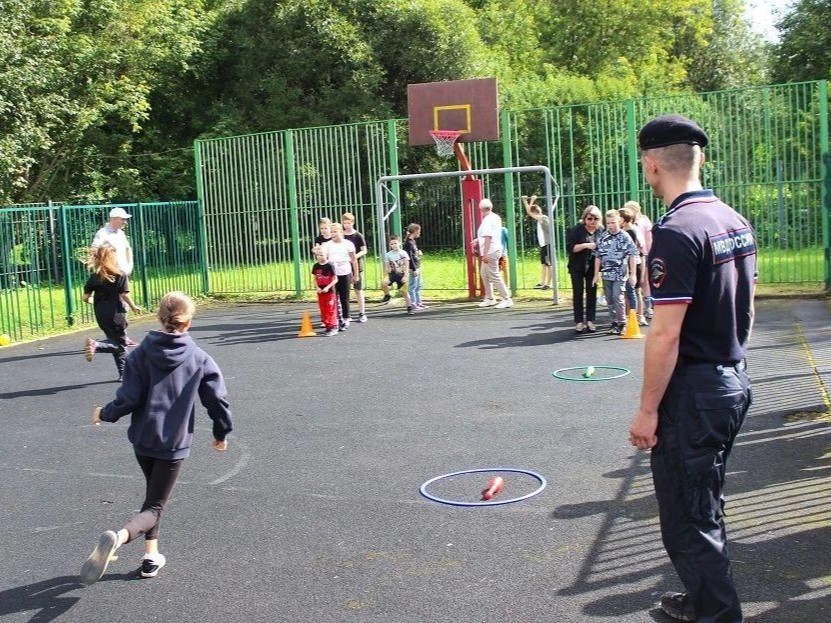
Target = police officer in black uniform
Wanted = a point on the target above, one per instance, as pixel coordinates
(695, 394)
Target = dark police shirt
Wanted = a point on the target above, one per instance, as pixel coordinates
(704, 255)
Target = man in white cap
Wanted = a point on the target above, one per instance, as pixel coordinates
(113, 234)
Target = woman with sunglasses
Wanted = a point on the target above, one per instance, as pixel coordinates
(580, 242)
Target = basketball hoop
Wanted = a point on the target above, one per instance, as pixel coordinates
(445, 141)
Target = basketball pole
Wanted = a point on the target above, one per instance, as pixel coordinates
(473, 191)
(552, 196)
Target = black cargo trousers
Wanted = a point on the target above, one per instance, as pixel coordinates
(700, 415)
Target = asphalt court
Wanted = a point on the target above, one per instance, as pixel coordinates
(314, 513)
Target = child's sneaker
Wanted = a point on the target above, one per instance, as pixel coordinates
(505, 303)
(361, 317)
(614, 330)
(331, 332)
(487, 303)
(90, 348)
(411, 311)
(387, 298)
(150, 565)
(96, 564)
(642, 321)
(421, 306)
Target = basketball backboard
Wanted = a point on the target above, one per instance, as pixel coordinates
(470, 107)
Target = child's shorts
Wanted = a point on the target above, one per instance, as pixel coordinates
(396, 278)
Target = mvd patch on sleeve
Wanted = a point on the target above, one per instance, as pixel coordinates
(729, 245)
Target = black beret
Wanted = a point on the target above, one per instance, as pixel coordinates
(671, 130)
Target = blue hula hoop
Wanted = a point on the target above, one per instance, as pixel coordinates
(540, 477)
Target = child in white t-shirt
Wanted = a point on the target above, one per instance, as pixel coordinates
(341, 254)
(397, 264)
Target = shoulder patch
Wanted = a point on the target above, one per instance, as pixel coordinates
(657, 272)
(734, 243)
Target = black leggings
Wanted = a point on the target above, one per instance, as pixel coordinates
(581, 282)
(160, 476)
(116, 343)
(342, 288)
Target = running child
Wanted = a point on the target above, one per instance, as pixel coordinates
(163, 378)
(327, 300)
(397, 266)
(109, 289)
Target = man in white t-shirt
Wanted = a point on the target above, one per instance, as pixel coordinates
(488, 244)
(113, 234)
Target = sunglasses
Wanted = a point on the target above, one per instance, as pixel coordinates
(592, 218)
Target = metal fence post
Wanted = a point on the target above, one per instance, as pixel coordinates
(142, 266)
(825, 168)
(291, 184)
(202, 225)
(632, 150)
(392, 154)
(67, 266)
(510, 213)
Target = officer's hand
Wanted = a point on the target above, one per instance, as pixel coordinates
(642, 432)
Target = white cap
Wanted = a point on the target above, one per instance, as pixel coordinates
(485, 204)
(119, 213)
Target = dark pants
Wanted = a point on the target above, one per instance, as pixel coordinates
(160, 476)
(342, 288)
(580, 283)
(700, 415)
(115, 329)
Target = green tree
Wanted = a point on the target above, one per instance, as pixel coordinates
(804, 50)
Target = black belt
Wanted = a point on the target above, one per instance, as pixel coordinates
(688, 362)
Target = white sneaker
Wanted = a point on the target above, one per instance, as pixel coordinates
(95, 566)
(150, 565)
(505, 303)
(487, 303)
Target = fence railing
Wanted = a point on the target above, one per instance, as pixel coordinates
(43, 249)
(260, 197)
(263, 194)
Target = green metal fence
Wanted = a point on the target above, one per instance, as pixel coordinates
(262, 194)
(42, 253)
(260, 197)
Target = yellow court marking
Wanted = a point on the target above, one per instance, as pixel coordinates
(810, 356)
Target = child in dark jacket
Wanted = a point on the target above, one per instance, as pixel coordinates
(163, 378)
(109, 290)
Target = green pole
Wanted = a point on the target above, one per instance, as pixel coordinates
(510, 213)
(392, 151)
(825, 168)
(291, 183)
(632, 150)
(142, 267)
(202, 225)
(66, 255)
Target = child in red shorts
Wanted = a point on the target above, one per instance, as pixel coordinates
(325, 279)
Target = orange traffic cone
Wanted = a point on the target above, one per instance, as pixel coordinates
(306, 329)
(633, 331)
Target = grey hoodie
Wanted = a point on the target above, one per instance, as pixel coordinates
(163, 377)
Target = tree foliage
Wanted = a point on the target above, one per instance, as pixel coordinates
(804, 51)
(102, 99)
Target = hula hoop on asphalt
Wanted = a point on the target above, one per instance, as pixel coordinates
(624, 371)
(528, 472)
